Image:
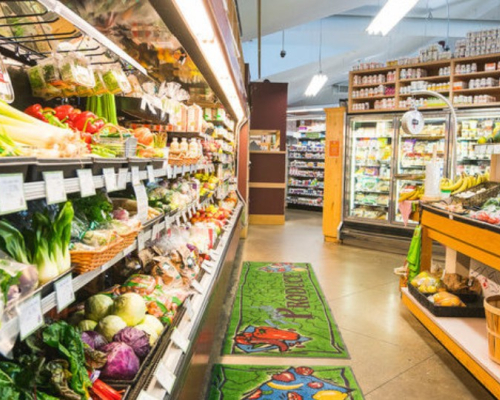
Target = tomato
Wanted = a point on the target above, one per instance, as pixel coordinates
(304, 370)
(294, 396)
(284, 377)
(315, 385)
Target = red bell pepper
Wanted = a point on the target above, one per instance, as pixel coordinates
(88, 122)
(63, 112)
(50, 115)
(36, 111)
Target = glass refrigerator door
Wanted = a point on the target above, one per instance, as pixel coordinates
(413, 153)
(473, 128)
(369, 171)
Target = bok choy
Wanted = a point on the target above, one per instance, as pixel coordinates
(45, 243)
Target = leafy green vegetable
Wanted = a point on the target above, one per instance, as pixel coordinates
(97, 209)
(12, 242)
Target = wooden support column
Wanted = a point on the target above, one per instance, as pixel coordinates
(334, 165)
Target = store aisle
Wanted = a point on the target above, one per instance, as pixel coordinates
(392, 354)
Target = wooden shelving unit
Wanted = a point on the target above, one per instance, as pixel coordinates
(432, 69)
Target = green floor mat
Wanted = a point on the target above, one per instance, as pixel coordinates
(280, 311)
(249, 382)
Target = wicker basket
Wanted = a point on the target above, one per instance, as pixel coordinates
(492, 311)
(492, 190)
(128, 239)
(85, 261)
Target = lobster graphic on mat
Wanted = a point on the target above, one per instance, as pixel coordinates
(264, 338)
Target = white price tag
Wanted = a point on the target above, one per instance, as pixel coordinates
(156, 230)
(496, 150)
(142, 202)
(169, 172)
(65, 295)
(30, 315)
(122, 178)
(55, 191)
(190, 212)
(135, 176)
(165, 377)
(192, 168)
(183, 170)
(179, 340)
(109, 179)
(178, 220)
(489, 149)
(141, 241)
(151, 174)
(206, 268)
(86, 180)
(146, 396)
(189, 309)
(479, 149)
(12, 197)
(184, 216)
(206, 169)
(197, 286)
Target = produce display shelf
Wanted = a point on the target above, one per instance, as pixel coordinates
(465, 338)
(11, 328)
(36, 190)
(173, 359)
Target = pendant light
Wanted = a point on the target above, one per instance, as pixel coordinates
(390, 15)
(318, 80)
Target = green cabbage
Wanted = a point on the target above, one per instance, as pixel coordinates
(154, 323)
(109, 326)
(97, 307)
(153, 336)
(131, 307)
(87, 325)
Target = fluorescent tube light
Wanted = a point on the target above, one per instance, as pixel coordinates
(197, 18)
(317, 82)
(392, 12)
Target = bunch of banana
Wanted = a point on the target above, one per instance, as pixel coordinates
(413, 195)
(462, 182)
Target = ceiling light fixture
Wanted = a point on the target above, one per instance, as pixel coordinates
(318, 80)
(197, 18)
(392, 12)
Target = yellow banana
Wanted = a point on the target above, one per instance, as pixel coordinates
(405, 196)
(455, 186)
(465, 183)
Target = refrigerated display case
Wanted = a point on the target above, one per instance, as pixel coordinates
(369, 168)
(472, 126)
(413, 152)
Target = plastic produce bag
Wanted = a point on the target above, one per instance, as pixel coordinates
(413, 257)
(427, 282)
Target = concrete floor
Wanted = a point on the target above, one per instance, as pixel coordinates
(392, 355)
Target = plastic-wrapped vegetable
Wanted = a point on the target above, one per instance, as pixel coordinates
(427, 283)
(140, 284)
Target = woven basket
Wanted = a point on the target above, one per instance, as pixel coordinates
(85, 261)
(128, 239)
(492, 311)
(492, 190)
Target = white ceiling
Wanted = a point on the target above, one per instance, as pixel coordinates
(345, 41)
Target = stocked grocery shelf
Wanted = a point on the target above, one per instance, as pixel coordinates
(384, 96)
(479, 74)
(189, 135)
(304, 167)
(305, 151)
(412, 94)
(320, 195)
(478, 90)
(11, 328)
(372, 137)
(220, 123)
(174, 359)
(365, 85)
(306, 186)
(303, 158)
(427, 78)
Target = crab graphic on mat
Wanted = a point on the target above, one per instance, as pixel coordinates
(281, 268)
(298, 384)
(256, 339)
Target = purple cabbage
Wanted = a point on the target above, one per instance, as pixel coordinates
(135, 338)
(94, 339)
(122, 363)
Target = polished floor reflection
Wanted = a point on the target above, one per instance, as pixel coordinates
(393, 356)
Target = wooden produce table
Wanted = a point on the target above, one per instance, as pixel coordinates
(465, 338)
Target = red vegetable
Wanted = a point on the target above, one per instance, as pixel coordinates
(315, 385)
(63, 112)
(88, 122)
(294, 396)
(36, 111)
(105, 391)
(255, 395)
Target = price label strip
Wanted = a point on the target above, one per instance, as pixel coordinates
(146, 396)
(165, 377)
(197, 286)
(156, 230)
(135, 176)
(86, 181)
(142, 202)
(109, 179)
(180, 341)
(55, 191)
(189, 309)
(65, 294)
(122, 178)
(30, 316)
(141, 241)
(151, 174)
(206, 268)
(12, 198)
